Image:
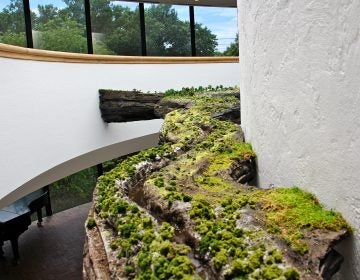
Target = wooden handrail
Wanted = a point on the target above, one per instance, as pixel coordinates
(15, 52)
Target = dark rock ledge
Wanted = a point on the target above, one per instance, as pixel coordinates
(127, 106)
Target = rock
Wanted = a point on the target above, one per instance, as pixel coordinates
(243, 171)
(95, 263)
(193, 183)
(230, 114)
(126, 106)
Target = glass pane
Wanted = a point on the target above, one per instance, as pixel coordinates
(59, 25)
(115, 27)
(215, 31)
(73, 190)
(167, 30)
(12, 23)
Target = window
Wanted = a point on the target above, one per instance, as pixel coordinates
(167, 30)
(215, 30)
(12, 23)
(59, 26)
(115, 27)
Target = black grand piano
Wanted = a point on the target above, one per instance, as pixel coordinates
(16, 218)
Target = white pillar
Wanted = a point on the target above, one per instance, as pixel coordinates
(300, 93)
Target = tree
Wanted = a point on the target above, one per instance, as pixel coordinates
(123, 35)
(12, 24)
(62, 35)
(233, 49)
(46, 13)
(101, 16)
(119, 28)
(166, 34)
(206, 42)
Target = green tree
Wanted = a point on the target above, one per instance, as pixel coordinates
(233, 49)
(101, 16)
(75, 10)
(123, 36)
(12, 24)
(119, 28)
(166, 34)
(206, 42)
(76, 188)
(46, 13)
(62, 35)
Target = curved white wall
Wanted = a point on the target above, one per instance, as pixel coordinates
(300, 85)
(50, 120)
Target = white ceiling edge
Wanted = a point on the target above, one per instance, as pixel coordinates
(209, 3)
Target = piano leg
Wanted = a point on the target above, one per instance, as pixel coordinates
(15, 249)
(48, 209)
(1, 249)
(39, 215)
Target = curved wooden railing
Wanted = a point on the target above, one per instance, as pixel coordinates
(15, 52)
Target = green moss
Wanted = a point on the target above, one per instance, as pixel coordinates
(199, 174)
(91, 223)
(291, 274)
(291, 211)
(166, 231)
(129, 269)
(220, 259)
(270, 272)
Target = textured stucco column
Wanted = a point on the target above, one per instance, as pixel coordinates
(300, 91)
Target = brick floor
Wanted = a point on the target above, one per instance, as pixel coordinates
(52, 252)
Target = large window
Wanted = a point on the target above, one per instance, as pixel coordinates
(167, 30)
(216, 31)
(77, 189)
(115, 27)
(12, 23)
(59, 25)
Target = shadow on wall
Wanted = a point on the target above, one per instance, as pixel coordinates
(347, 249)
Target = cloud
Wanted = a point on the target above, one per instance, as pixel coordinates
(221, 21)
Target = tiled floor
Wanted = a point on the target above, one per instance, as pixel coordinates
(52, 252)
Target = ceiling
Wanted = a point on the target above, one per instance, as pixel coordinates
(211, 3)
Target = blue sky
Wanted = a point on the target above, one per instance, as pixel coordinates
(221, 21)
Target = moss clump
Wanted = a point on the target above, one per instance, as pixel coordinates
(91, 223)
(291, 274)
(291, 211)
(207, 149)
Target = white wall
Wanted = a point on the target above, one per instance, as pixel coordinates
(50, 120)
(300, 85)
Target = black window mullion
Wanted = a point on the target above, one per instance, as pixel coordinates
(28, 28)
(142, 29)
(192, 30)
(88, 27)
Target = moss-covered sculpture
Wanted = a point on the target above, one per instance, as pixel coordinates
(181, 210)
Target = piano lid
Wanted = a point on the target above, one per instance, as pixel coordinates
(19, 207)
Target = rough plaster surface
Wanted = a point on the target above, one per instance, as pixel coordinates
(300, 85)
(50, 120)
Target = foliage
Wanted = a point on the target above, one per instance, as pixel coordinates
(62, 35)
(12, 25)
(17, 39)
(77, 189)
(90, 223)
(291, 211)
(233, 49)
(198, 180)
(64, 29)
